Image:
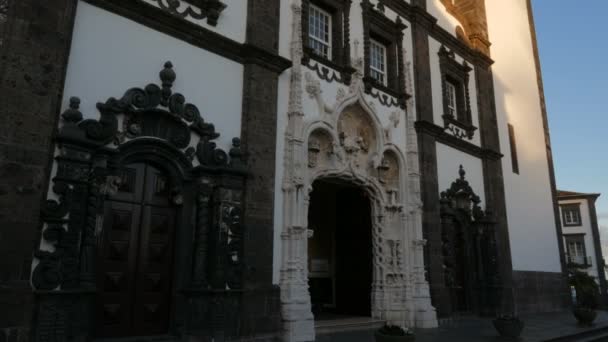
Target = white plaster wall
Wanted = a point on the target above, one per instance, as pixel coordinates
(534, 244)
(436, 85)
(586, 229)
(311, 107)
(111, 54)
(448, 164)
(232, 22)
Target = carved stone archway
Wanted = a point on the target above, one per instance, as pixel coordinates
(347, 141)
(150, 125)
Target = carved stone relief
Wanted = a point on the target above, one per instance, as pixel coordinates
(195, 9)
(346, 140)
(158, 126)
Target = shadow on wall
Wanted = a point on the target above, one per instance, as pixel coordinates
(532, 232)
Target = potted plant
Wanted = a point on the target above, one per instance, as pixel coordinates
(393, 333)
(587, 297)
(508, 325)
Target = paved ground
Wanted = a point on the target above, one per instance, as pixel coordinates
(542, 327)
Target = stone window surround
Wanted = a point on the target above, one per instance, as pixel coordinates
(458, 75)
(376, 26)
(568, 238)
(571, 206)
(340, 36)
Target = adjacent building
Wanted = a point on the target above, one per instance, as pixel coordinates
(240, 170)
(581, 235)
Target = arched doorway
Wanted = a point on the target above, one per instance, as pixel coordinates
(135, 255)
(340, 251)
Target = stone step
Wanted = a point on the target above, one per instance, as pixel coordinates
(325, 327)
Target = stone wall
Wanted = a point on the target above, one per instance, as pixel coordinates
(540, 292)
(33, 55)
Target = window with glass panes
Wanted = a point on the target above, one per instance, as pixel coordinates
(319, 31)
(450, 89)
(571, 215)
(377, 61)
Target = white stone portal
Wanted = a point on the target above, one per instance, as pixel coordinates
(347, 141)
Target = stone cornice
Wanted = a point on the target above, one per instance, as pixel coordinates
(419, 16)
(181, 29)
(438, 132)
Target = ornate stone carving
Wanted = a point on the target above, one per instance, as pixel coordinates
(472, 16)
(346, 141)
(468, 242)
(89, 172)
(205, 9)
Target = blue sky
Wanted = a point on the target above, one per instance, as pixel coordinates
(573, 51)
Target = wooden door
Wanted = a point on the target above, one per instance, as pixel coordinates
(135, 257)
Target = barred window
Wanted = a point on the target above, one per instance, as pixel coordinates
(377, 61)
(319, 31)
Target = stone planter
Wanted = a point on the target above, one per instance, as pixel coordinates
(393, 338)
(510, 327)
(584, 316)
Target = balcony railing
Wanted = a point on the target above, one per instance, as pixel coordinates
(578, 261)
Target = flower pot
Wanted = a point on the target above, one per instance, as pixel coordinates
(393, 338)
(584, 316)
(511, 327)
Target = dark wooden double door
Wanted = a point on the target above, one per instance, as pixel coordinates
(135, 256)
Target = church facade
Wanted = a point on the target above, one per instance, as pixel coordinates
(206, 170)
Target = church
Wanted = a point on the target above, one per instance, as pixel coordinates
(245, 170)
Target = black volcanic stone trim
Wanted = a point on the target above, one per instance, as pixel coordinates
(597, 246)
(340, 59)
(425, 127)
(260, 310)
(493, 181)
(418, 15)
(36, 38)
(165, 22)
(537, 292)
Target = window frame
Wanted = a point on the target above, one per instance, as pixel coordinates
(571, 207)
(458, 74)
(384, 71)
(377, 27)
(329, 41)
(576, 239)
(339, 56)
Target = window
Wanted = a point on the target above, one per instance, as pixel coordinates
(571, 215)
(450, 96)
(326, 39)
(319, 31)
(575, 250)
(384, 70)
(455, 77)
(377, 61)
(514, 160)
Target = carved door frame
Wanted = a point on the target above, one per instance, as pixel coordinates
(158, 127)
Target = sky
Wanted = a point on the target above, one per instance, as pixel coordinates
(573, 51)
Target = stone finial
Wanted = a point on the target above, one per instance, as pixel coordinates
(461, 172)
(167, 76)
(73, 114)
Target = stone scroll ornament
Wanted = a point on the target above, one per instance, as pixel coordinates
(70, 219)
(207, 9)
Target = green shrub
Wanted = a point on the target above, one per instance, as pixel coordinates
(587, 290)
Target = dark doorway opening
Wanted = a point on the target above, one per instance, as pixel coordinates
(340, 251)
(135, 258)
